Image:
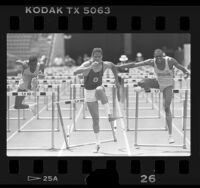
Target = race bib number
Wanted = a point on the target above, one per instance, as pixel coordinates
(95, 79)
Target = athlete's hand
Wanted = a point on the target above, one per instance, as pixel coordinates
(94, 64)
(187, 74)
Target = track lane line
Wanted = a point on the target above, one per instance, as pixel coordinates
(71, 129)
(173, 125)
(124, 132)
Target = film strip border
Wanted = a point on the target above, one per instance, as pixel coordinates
(176, 168)
(100, 19)
(62, 166)
(140, 171)
(111, 23)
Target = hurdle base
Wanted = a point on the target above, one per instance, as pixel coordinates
(91, 143)
(180, 117)
(67, 109)
(148, 129)
(38, 130)
(92, 130)
(160, 145)
(32, 148)
(187, 129)
(145, 117)
(89, 117)
(49, 118)
(21, 118)
(142, 108)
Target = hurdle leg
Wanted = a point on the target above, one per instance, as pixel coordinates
(181, 86)
(127, 108)
(70, 95)
(136, 120)
(114, 113)
(47, 101)
(74, 109)
(156, 98)
(62, 125)
(152, 100)
(8, 113)
(37, 106)
(184, 119)
(52, 130)
(159, 105)
(84, 106)
(58, 99)
(147, 95)
(24, 114)
(18, 120)
(173, 105)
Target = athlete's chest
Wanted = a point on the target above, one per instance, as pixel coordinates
(161, 65)
(98, 68)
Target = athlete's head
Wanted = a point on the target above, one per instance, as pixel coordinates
(33, 63)
(97, 54)
(158, 54)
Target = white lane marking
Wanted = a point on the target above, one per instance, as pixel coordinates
(24, 124)
(11, 136)
(173, 125)
(124, 132)
(71, 129)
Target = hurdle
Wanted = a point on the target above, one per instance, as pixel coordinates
(54, 86)
(12, 109)
(150, 91)
(105, 81)
(58, 93)
(181, 80)
(71, 129)
(113, 102)
(136, 145)
(74, 107)
(52, 135)
(127, 84)
(8, 114)
(185, 112)
(9, 86)
(19, 117)
(37, 94)
(175, 91)
(137, 88)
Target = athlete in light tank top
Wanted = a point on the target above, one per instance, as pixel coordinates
(164, 80)
(164, 77)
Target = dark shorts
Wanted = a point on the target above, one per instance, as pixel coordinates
(148, 83)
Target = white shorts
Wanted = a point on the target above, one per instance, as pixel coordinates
(90, 95)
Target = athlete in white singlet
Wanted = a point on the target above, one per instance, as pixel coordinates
(163, 67)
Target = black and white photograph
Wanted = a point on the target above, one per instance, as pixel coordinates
(98, 94)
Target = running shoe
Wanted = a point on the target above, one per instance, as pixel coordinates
(97, 148)
(111, 118)
(171, 140)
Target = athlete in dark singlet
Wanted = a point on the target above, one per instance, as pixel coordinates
(93, 71)
(163, 67)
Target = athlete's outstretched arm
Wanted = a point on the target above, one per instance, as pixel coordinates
(113, 67)
(134, 64)
(180, 67)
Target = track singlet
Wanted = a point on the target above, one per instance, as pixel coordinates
(164, 77)
(93, 79)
